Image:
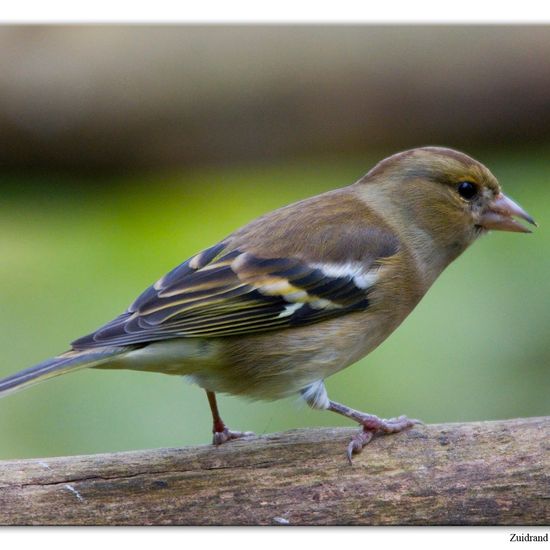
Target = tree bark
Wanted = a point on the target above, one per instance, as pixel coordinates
(479, 473)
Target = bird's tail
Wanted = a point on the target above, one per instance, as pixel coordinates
(66, 362)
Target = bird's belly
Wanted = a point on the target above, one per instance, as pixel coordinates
(279, 364)
(269, 365)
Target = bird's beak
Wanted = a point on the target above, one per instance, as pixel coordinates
(499, 215)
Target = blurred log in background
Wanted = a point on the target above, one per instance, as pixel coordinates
(133, 97)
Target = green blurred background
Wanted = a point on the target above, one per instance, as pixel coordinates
(124, 150)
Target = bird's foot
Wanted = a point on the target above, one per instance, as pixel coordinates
(373, 425)
(227, 435)
(221, 432)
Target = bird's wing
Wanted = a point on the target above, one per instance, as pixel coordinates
(227, 292)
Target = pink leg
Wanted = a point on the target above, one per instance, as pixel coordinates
(371, 425)
(219, 429)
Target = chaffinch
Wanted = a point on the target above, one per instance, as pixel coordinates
(305, 291)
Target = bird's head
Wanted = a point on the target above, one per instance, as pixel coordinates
(441, 198)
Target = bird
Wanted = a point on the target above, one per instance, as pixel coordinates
(304, 291)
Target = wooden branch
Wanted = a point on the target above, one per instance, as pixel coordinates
(448, 474)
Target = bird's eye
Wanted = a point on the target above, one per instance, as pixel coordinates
(467, 190)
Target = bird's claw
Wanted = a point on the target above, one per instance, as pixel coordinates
(358, 441)
(395, 425)
(373, 425)
(228, 435)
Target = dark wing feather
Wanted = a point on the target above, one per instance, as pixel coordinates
(224, 292)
